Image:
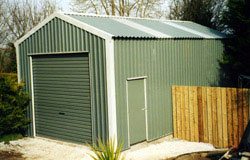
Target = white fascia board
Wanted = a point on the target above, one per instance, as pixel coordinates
(188, 30)
(142, 28)
(25, 37)
(18, 64)
(110, 67)
(40, 25)
(68, 19)
(85, 26)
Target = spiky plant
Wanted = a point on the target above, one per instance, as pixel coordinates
(107, 151)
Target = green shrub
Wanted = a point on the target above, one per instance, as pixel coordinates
(108, 151)
(13, 107)
(11, 137)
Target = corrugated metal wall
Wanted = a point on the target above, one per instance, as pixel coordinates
(60, 36)
(165, 63)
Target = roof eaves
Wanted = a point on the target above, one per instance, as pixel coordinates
(85, 26)
(68, 19)
(33, 30)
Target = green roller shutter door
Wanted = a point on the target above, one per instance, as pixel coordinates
(62, 97)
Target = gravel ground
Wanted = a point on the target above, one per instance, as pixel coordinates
(46, 149)
(167, 148)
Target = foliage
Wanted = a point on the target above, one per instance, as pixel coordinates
(8, 59)
(236, 60)
(108, 151)
(11, 137)
(13, 106)
(137, 8)
(203, 12)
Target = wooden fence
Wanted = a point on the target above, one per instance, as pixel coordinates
(210, 114)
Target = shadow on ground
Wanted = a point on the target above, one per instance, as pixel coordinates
(213, 155)
(11, 155)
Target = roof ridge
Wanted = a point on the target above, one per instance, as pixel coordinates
(120, 17)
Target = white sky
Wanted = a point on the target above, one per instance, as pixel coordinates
(65, 5)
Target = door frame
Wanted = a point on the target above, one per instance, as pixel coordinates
(32, 87)
(144, 78)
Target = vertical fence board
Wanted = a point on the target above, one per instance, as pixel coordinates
(235, 116)
(240, 114)
(183, 128)
(230, 117)
(205, 114)
(200, 115)
(196, 113)
(191, 111)
(174, 110)
(178, 112)
(187, 124)
(209, 112)
(219, 116)
(214, 116)
(245, 108)
(224, 117)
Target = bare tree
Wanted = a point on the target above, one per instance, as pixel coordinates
(3, 25)
(138, 8)
(22, 15)
(17, 17)
(175, 10)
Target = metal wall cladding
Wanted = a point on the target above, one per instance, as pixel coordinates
(60, 36)
(165, 62)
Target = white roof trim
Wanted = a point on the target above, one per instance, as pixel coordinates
(85, 26)
(202, 35)
(46, 20)
(142, 28)
(68, 19)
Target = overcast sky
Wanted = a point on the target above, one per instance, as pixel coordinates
(64, 4)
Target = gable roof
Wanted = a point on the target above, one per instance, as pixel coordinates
(108, 27)
(146, 27)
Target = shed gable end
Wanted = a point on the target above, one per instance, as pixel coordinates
(59, 36)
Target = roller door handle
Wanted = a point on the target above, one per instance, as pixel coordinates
(61, 113)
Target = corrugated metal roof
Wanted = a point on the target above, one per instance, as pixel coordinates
(147, 28)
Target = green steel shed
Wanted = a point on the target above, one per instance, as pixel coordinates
(92, 76)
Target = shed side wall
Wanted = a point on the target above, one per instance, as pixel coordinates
(165, 63)
(60, 36)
